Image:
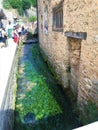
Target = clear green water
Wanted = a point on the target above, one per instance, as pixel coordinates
(40, 102)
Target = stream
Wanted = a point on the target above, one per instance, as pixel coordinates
(41, 103)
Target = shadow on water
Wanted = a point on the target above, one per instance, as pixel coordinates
(6, 119)
(40, 104)
(56, 122)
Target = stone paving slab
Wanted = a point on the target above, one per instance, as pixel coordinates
(7, 55)
(92, 126)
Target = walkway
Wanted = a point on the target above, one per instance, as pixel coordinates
(92, 126)
(6, 60)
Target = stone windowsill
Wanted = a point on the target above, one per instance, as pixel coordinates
(78, 35)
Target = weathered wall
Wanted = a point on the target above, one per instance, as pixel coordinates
(80, 55)
(53, 44)
(83, 17)
(8, 103)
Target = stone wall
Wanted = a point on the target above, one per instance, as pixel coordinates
(8, 103)
(53, 44)
(63, 52)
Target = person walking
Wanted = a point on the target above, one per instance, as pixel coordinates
(3, 38)
(9, 29)
(15, 35)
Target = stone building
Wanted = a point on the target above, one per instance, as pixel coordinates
(68, 36)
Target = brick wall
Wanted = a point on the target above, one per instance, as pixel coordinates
(64, 52)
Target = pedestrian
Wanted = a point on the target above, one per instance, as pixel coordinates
(1, 24)
(4, 36)
(9, 29)
(15, 35)
(19, 30)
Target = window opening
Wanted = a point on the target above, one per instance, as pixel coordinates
(58, 18)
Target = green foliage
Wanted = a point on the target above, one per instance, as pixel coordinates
(90, 113)
(29, 35)
(17, 74)
(42, 102)
(35, 52)
(32, 18)
(6, 4)
(26, 4)
(33, 2)
(15, 3)
(20, 5)
(20, 11)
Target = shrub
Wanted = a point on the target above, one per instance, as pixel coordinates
(33, 2)
(20, 11)
(26, 4)
(15, 4)
(20, 5)
(6, 4)
(32, 18)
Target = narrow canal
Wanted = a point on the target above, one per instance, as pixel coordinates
(40, 101)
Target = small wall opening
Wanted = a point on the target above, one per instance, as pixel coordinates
(74, 61)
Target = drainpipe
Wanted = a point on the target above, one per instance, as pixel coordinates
(37, 19)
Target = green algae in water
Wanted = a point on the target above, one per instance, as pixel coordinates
(38, 100)
(41, 97)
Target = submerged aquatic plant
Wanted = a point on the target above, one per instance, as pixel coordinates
(40, 103)
(39, 100)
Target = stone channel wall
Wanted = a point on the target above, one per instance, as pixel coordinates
(74, 59)
(8, 103)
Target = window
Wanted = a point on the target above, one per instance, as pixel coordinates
(58, 18)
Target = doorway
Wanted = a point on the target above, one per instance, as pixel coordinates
(74, 61)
